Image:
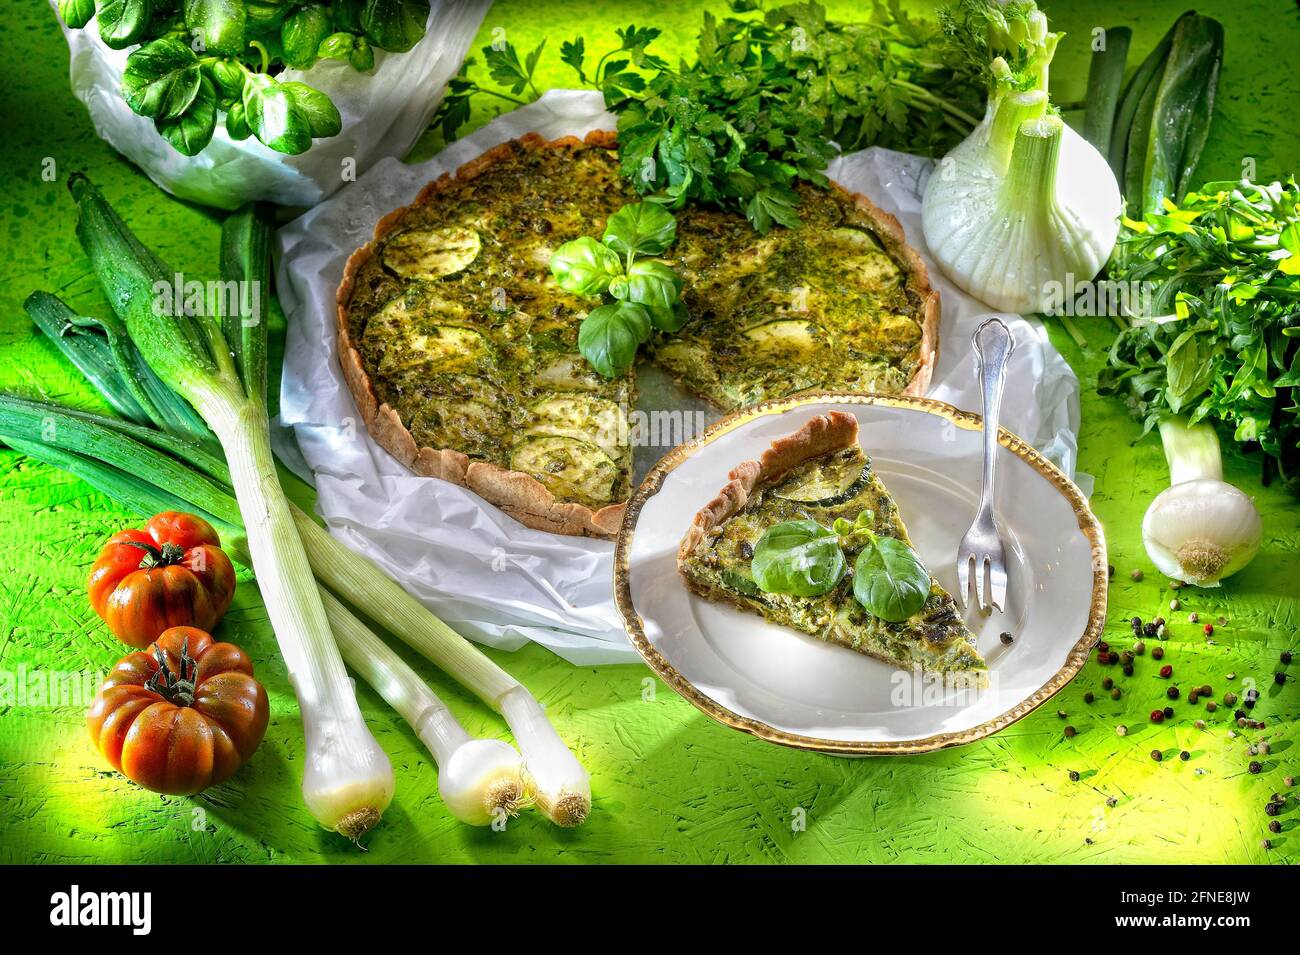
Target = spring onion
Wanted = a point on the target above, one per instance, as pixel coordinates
(1200, 529)
(347, 779)
(1024, 206)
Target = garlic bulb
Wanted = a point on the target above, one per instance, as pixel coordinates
(1201, 531)
(1022, 209)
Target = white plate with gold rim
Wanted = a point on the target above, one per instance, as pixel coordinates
(792, 689)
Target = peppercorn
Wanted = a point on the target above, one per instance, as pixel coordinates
(1103, 658)
(1209, 629)
(1205, 690)
(1157, 716)
(1149, 630)
(1252, 695)
(1275, 826)
(1103, 646)
(1157, 653)
(1121, 730)
(1136, 575)
(1264, 747)
(1112, 801)
(1267, 844)
(1169, 712)
(1199, 724)
(1272, 808)
(1172, 693)
(1126, 658)
(1107, 683)
(1229, 698)
(1193, 697)
(1128, 669)
(1115, 694)
(1069, 732)
(1232, 676)
(1156, 755)
(1279, 678)
(1110, 570)
(1139, 648)
(1286, 656)
(1167, 671)
(1184, 755)
(1211, 706)
(1241, 717)
(1254, 766)
(1174, 604)
(1074, 776)
(1006, 638)
(1193, 617)
(1175, 585)
(1088, 697)
(1061, 713)
(1158, 622)
(1289, 780)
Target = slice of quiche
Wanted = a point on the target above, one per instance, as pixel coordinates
(819, 473)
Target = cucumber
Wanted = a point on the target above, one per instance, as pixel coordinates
(570, 469)
(431, 254)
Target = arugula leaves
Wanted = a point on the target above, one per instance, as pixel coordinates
(198, 58)
(769, 99)
(1219, 336)
(643, 294)
(805, 559)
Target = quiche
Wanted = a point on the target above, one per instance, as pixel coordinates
(820, 473)
(461, 349)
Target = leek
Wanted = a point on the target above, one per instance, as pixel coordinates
(347, 779)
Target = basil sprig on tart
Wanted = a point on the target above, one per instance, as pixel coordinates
(809, 537)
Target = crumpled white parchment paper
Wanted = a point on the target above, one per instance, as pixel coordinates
(383, 111)
(488, 576)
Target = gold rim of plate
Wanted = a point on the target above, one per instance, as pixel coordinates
(966, 420)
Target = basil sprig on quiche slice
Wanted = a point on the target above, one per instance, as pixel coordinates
(809, 537)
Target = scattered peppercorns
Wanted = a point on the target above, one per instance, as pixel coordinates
(1255, 766)
(1193, 697)
(1139, 648)
(1088, 697)
(1157, 716)
(1166, 671)
(1061, 714)
(1174, 604)
(1006, 638)
(1286, 656)
(1157, 653)
(1272, 808)
(1289, 780)
(1267, 844)
(1115, 694)
(1199, 724)
(1149, 630)
(1208, 629)
(1074, 775)
(1107, 683)
(1128, 669)
(1184, 755)
(1169, 712)
(1070, 731)
(1110, 570)
(1193, 617)
(1229, 698)
(1279, 678)
(1175, 585)
(1121, 730)
(1136, 575)
(1156, 755)
(1211, 706)
(1275, 826)
(1205, 690)
(1112, 801)
(1172, 693)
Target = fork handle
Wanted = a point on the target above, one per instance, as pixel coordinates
(994, 345)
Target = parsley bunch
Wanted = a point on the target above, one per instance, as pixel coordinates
(770, 97)
(1219, 339)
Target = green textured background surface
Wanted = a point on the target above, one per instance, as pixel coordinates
(669, 785)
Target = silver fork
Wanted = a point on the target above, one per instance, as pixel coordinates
(982, 545)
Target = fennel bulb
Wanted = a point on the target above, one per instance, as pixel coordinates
(1019, 207)
(1199, 529)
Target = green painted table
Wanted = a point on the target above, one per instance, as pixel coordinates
(669, 785)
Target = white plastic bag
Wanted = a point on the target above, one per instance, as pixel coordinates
(487, 575)
(383, 111)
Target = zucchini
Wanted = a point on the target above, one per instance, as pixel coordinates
(570, 469)
(823, 489)
(445, 349)
(453, 420)
(583, 417)
(783, 340)
(431, 254)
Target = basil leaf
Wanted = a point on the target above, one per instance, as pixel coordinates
(302, 33)
(219, 23)
(669, 319)
(798, 557)
(237, 122)
(584, 266)
(889, 580)
(610, 335)
(653, 284)
(363, 56)
(337, 46)
(645, 228)
(190, 132)
(322, 114)
(161, 78)
(264, 15)
(347, 15)
(274, 115)
(395, 25)
(228, 76)
(123, 23)
(76, 13)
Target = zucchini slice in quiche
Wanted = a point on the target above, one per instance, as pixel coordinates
(819, 473)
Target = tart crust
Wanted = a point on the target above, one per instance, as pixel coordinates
(521, 495)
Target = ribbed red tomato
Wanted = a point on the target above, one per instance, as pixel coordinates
(180, 716)
(171, 574)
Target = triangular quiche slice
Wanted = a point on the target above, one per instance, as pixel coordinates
(820, 473)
